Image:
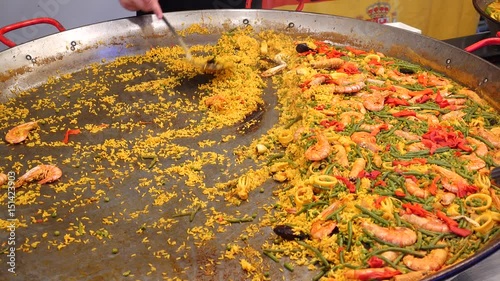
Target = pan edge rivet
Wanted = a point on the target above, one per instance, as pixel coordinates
(73, 43)
(291, 25)
(28, 57)
(246, 22)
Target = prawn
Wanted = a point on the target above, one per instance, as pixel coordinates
(322, 227)
(341, 155)
(273, 70)
(410, 276)
(474, 163)
(348, 89)
(472, 95)
(432, 80)
(375, 128)
(42, 173)
(3, 179)
(20, 133)
(400, 236)
(407, 135)
(480, 147)
(374, 101)
(427, 223)
(455, 115)
(413, 188)
(457, 181)
(320, 150)
(433, 261)
(447, 198)
(371, 273)
(358, 166)
(489, 136)
(349, 117)
(328, 63)
(432, 120)
(366, 140)
(416, 146)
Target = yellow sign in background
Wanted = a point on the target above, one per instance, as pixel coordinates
(441, 19)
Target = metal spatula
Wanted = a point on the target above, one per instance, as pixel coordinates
(208, 66)
(495, 174)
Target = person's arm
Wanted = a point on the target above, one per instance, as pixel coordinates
(143, 5)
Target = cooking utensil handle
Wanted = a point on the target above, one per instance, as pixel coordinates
(26, 23)
(484, 43)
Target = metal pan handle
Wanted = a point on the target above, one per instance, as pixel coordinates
(26, 23)
(484, 43)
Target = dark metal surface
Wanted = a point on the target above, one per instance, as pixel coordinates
(29, 65)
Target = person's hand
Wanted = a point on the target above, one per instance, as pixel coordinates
(143, 5)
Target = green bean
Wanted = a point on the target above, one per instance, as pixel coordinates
(319, 275)
(288, 266)
(397, 249)
(387, 261)
(436, 246)
(275, 157)
(428, 232)
(329, 217)
(373, 215)
(398, 219)
(413, 173)
(419, 241)
(380, 241)
(349, 235)
(457, 255)
(293, 121)
(439, 163)
(308, 206)
(271, 256)
(437, 238)
(240, 220)
(348, 265)
(318, 254)
(464, 175)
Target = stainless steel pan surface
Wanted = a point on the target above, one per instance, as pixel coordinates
(107, 226)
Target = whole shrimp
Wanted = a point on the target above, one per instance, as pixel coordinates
(413, 188)
(322, 227)
(400, 236)
(433, 261)
(374, 101)
(41, 173)
(427, 223)
(320, 150)
(20, 133)
(365, 140)
(383, 273)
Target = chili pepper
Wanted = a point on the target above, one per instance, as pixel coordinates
(350, 185)
(70, 132)
(378, 201)
(375, 262)
(453, 225)
(423, 99)
(424, 92)
(433, 186)
(396, 101)
(415, 209)
(399, 193)
(349, 68)
(404, 113)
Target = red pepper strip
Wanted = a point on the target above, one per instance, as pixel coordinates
(441, 101)
(464, 190)
(433, 187)
(337, 125)
(421, 93)
(422, 79)
(399, 193)
(310, 52)
(416, 209)
(381, 183)
(378, 201)
(355, 51)
(396, 101)
(350, 185)
(404, 113)
(371, 175)
(375, 274)
(410, 162)
(70, 132)
(423, 99)
(320, 107)
(375, 262)
(349, 68)
(453, 225)
(444, 136)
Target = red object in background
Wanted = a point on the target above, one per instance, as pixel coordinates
(270, 4)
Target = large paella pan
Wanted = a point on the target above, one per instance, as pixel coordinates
(154, 169)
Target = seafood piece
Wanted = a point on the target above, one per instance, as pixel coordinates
(390, 255)
(366, 140)
(432, 262)
(416, 146)
(432, 120)
(374, 101)
(447, 198)
(328, 63)
(20, 133)
(489, 136)
(474, 163)
(358, 166)
(41, 173)
(428, 79)
(427, 223)
(480, 147)
(371, 273)
(457, 181)
(407, 135)
(288, 233)
(413, 188)
(317, 80)
(375, 128)
(410, 276)
(340, 155)
(348, 89)
(400, 236)
(472, 95)
(456, 115)
(273, 70)
(322, 227)
(350, 117)
(320, 150)
(217, 101)
(3, 179)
